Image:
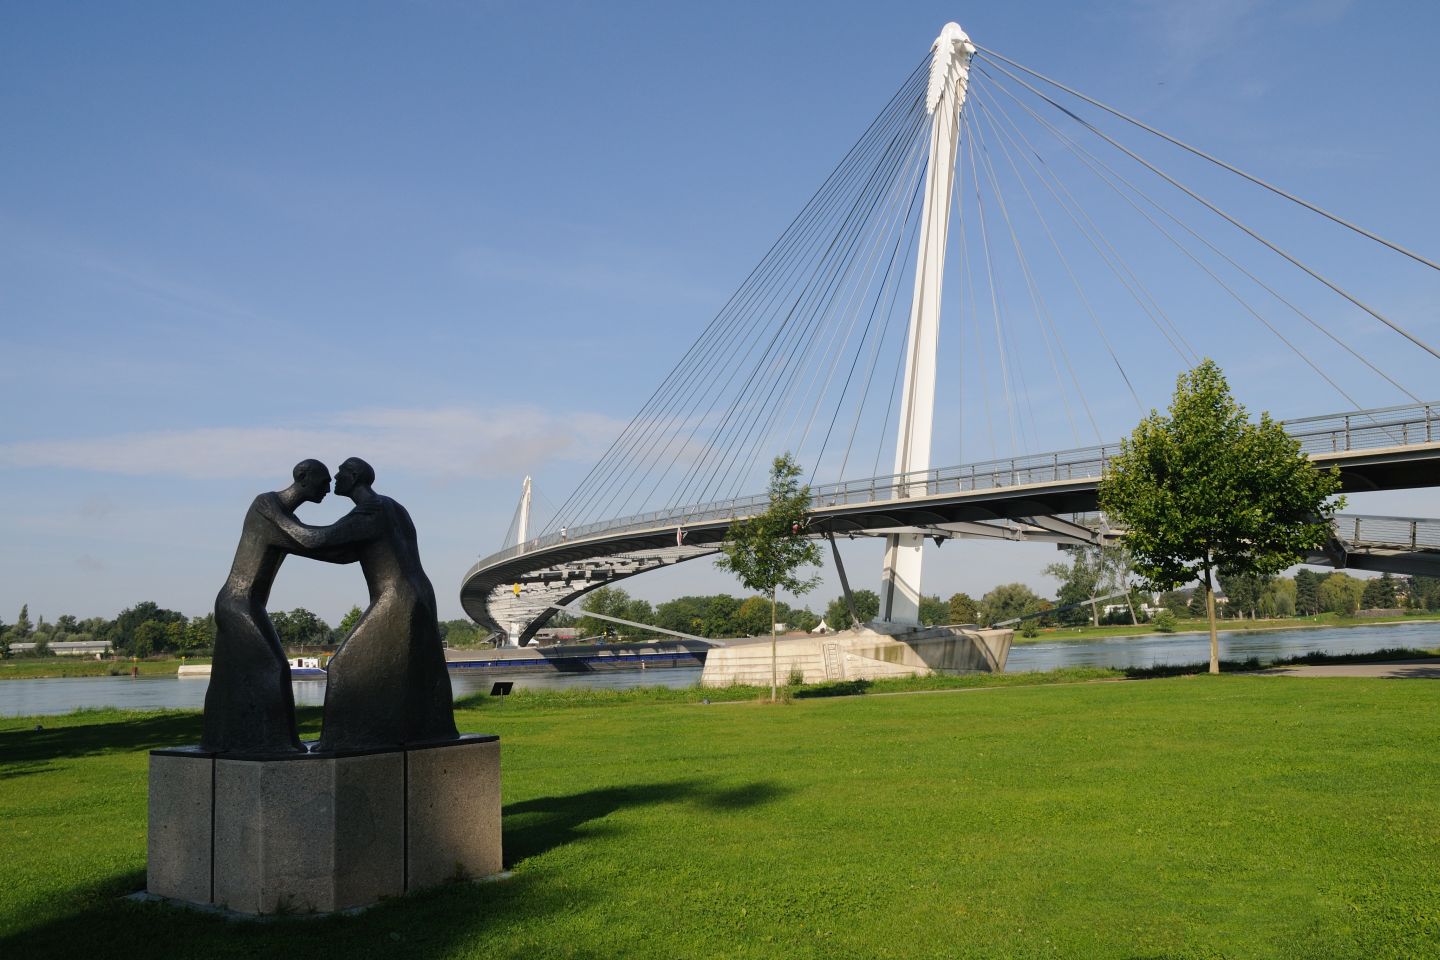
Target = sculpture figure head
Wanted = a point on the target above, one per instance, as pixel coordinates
(352, 473)
(313, 479)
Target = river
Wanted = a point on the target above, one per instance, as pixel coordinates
(62, 695)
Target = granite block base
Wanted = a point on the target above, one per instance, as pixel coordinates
(307, 833)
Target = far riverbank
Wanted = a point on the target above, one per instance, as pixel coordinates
(1199, 626)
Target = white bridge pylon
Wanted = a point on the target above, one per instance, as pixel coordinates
(522, 534)
(945, 99)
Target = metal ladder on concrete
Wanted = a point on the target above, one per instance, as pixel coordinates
(834, 669)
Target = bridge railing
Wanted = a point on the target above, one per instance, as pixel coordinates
(1333, 433)
(1400, 533)
(1367, 429)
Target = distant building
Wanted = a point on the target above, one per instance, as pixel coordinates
(549, 635)
(70, 648)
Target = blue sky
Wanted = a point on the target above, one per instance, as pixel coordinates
(466, 240)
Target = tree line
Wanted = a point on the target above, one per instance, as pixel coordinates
(722, 615)
(1247, 596)
(148, 629)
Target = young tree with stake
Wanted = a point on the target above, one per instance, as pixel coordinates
(766, 551)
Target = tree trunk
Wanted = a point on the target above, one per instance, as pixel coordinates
(1094, 613)
(774, 680)
(1210, 615)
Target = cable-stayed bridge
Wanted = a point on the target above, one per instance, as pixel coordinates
(1082, 275)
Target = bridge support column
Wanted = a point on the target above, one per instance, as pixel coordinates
(900, 601)
(949, 80)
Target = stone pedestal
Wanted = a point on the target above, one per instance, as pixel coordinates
(322, 832)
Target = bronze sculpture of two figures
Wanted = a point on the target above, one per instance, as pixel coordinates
(387, 684)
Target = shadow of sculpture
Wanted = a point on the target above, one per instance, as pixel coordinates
(533, 827)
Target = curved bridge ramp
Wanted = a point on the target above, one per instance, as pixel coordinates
(1049, 497)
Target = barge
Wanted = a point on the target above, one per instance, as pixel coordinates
(581, 657)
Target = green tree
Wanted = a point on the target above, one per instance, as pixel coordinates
(753, 616)
(1379, 593)
(867, 608)
(1307, 592)
(300, 627)
(1203, 493)
(1176, 601)
(963, 608)
(149, 637)
(717, 615)
(704, 616)
(1425, 593)
(802, 619)
(1243, 591)
(933, 611)
(123, 630)
(200, 633)
(682, 614)
(1278, 600)
(1093, 571)
(347, 622)
(461, 633)
(607, 602)
(23, 628)
(280, 620)
(1079, 582)
(639, 611)
(767, 551)
(1340, 593)
(1008, 601)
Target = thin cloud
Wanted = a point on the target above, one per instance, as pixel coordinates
(1193, 34)
(126, 271)
(437, 443)
(612, 272)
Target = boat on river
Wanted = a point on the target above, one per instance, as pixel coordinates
(301, 668)
(581, 657)
(306, 668)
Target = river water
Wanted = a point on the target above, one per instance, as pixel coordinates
(62, 695)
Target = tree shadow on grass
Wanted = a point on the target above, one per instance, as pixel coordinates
(30, 750)
(1161, 670)
(85, 739)
(534, 826)
(837, 688)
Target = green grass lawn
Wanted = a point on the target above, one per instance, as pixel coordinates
(32, 668)
(1238, 816)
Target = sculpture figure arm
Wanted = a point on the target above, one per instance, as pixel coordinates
(335, 542)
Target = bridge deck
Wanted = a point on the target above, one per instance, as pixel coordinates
(1385, 449)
